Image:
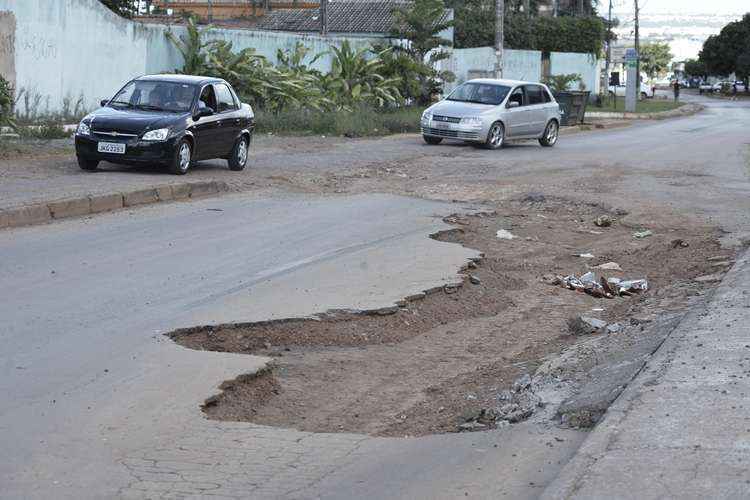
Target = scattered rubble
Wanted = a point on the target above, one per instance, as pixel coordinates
(583, 325)
(679, 243)
(599, 287)
(505, 235)
(474, 280)
(709, 278)
(643, 234)
(585, 255)
(603, 221)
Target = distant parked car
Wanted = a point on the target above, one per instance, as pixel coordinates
(620, 90)
(490, 112)
(172, 120)
(705, 87)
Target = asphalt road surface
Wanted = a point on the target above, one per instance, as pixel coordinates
(96, 403)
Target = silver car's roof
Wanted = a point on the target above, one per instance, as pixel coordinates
(503, 81)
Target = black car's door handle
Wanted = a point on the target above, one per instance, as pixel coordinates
(218, 123)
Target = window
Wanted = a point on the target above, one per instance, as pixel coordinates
(480, 93)
(225, 98)
(534, 94)
(547, 97)
(517, 96)
(208, 98)
(155, 95)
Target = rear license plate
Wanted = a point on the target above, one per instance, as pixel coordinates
(111, 147)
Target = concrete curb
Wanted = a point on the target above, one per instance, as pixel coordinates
(91, 204)
(685, 110)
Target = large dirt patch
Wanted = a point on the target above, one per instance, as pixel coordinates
(430, 364)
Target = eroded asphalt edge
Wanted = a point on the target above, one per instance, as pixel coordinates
(679, 428)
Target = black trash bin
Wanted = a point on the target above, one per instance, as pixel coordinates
(572, 106)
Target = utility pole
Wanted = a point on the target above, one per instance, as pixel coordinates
(324, 17)
(605, 86)
(210, 11)
(637, 51)
(499, 34)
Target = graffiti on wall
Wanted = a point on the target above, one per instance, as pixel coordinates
(8, 46)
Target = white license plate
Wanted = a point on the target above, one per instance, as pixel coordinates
(444, 125)
(111, 147)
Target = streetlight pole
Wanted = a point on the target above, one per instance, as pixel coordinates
(605, 87)
(324, 17)
(499, 34)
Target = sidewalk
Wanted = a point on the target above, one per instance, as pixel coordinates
(681, 429)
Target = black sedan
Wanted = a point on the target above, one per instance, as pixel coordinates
(173, 120)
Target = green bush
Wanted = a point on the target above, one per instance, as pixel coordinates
(361, 122)
(6, 104)
(561, 83)
(46, 130)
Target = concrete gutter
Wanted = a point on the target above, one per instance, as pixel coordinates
(91, 204)
(685, 110)
(679, 430)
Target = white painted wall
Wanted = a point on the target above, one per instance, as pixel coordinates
(71, 48)
(480, 62)
(565, 63)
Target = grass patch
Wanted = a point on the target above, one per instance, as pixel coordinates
(29, 148)
(364, 122)
(45, 130)
(643, 106)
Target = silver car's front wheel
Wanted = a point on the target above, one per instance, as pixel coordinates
(551, 133)
(495, 137)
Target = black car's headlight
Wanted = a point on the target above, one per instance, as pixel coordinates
(160, 134)
(83, 129)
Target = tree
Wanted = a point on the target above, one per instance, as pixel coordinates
(655, 58)
(725, 53)
(417, 29)
(696, 68)
(124, 8)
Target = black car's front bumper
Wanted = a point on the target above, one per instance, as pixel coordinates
(136, 150)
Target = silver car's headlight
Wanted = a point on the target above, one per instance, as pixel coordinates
(427, 116)
(83, 129)
(159, 134)
(474, 121)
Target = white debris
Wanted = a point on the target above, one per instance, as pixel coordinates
(505, 235)
(585, 255)
(610, 266)
(643, 234)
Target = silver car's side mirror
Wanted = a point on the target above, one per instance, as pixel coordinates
(512, 104)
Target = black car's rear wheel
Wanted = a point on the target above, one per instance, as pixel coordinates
(238, 158)
(182, 157)
(432, 140)
(87, 164)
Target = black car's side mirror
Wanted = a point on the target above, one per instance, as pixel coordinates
(103, 102)
(203, 112)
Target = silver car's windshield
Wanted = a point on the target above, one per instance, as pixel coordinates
(480, 93)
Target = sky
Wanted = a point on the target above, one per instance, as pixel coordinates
(682, 6)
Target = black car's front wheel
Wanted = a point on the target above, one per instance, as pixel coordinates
(182, 156)
(87, 164)
(238, 158)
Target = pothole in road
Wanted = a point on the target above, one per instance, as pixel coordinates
(440, 359)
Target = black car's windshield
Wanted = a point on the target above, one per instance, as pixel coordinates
(480, 93)
(155, 96)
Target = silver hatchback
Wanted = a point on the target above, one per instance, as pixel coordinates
(490, 112)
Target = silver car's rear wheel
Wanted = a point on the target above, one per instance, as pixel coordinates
(495, 137)
(551, 133)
